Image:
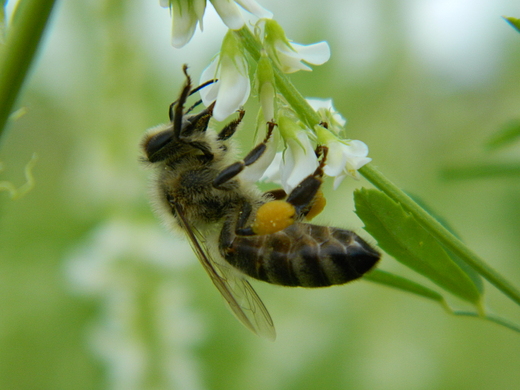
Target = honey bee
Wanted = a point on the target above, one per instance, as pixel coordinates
(235, 230)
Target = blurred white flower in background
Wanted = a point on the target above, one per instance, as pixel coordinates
(146, 315)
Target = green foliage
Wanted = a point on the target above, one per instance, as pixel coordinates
(515, 22)
(88, 107)
(505, 136)
(401, 236)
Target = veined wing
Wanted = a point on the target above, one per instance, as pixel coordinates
(242, 299)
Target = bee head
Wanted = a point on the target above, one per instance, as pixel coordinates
(183, 128)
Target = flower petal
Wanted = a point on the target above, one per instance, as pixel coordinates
(316, 53)
(298, 162)
(272, 173)
(336, 159)
(258, 169)
(289, 61)
(234, 87)
(255, 8)
(357, 148)
(338, 179)
(229, 13)
(326, 104)
(183, 25)
(209, 94)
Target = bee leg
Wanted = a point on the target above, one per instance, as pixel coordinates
(276, 194)
(306, 197)
(234, 169)
(231, 127)
(305, 201)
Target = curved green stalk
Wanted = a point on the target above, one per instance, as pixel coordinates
(23, 38)
(311, 118)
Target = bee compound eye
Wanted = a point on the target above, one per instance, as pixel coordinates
(156, 143)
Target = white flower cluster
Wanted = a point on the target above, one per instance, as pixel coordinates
(188, 13)
(232, 67)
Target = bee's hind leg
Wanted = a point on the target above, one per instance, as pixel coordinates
(304, 201)
(306, 197)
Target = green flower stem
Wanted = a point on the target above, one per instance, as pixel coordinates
(311, 118)
(285, 87)
(23, 38)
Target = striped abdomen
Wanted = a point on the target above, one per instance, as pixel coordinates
(301, 255)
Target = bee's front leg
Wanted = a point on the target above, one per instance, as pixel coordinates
(231, 127)
(234, 169)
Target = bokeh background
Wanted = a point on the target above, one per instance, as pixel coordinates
(96, 294)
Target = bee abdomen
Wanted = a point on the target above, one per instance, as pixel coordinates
(300, 255)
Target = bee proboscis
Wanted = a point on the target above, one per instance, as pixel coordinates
(235, 230)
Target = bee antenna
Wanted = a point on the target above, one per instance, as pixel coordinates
(177, 107)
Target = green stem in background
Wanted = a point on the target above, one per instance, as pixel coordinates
(311, 118)
(3, 25)
(482, 170)
(23, 39)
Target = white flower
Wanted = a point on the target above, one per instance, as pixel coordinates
(188, 13)
(289, 55)
(328, 114)
(344, 159)
(231, 15)
(233, 88)
(298, 162)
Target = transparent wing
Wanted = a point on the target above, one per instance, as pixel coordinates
(244, 302)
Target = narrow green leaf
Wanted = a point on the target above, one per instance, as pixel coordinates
(391, 280)
(515, 22)
(399, 234)
(489, 317)
(505, 136)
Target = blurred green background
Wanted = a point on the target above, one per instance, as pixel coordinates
(96, 294)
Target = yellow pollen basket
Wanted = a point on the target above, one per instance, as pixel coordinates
(317, 206)
(273, 216)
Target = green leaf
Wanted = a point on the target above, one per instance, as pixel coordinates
(391, 280)
(505, 136)
(399, 234)
(474, 275)
(513, 22)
